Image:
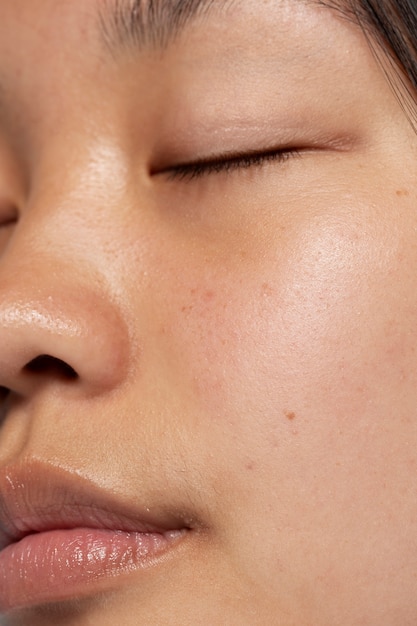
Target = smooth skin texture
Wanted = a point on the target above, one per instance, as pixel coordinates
(244, 339)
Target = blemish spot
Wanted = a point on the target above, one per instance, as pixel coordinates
(266, 290)
(208, 295)
(290, 415)
(402, 192)
(250, 466)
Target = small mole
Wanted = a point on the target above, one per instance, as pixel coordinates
(290, 415)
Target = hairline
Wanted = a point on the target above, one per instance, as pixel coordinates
(138, 24)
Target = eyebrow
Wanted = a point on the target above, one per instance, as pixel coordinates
(138, 24)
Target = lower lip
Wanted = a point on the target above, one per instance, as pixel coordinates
(59, 565)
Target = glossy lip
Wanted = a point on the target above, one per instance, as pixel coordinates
(49, 516)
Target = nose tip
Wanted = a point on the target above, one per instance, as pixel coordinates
(76, 334)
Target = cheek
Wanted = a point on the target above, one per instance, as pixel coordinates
(313, 331)
(304, 380)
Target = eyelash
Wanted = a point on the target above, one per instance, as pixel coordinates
(199, 169)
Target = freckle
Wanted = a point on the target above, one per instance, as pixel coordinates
(267, 290)
(402, 192)
(290, 415)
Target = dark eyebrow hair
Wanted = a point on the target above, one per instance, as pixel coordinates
(149, 23)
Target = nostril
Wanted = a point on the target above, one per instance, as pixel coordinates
(45, 364)
(4, 394)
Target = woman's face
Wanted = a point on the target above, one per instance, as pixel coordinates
(197, 340)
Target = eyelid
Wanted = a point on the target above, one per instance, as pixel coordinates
(227, 162)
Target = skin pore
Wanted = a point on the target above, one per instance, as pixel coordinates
(217, 236)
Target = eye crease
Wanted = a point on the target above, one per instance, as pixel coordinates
(228, 163)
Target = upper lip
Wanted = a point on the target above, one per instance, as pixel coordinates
(37, 497)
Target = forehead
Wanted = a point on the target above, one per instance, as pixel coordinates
(58, 56)
(142, 23)
(106, 29)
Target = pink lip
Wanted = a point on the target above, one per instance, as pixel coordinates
(62, 537)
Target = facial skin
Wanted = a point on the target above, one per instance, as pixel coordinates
(244, 340)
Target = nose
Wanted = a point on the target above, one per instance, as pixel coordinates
(59, 322)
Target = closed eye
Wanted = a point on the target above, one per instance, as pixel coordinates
(227, 163)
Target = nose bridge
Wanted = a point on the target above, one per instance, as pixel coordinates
(78, 182)
(55, 299)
